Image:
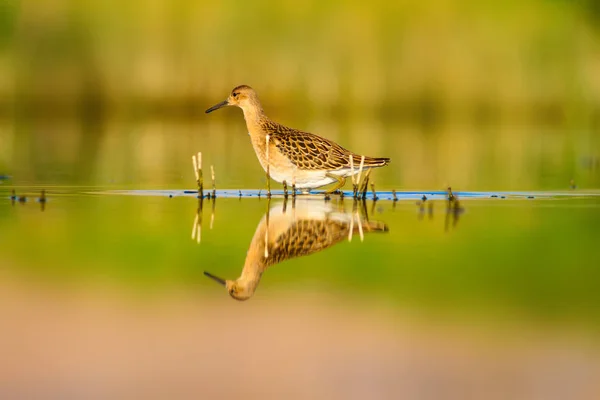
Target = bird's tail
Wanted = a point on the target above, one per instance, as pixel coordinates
(371, 162)
(374, 226)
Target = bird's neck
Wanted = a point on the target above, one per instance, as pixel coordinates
(255, 117)
(250, 277)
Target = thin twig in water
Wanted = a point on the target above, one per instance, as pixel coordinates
(365, 184)
(195, 168)
(375, 198)
(214, 182)
(354, 185)
(201, 177)
(360, 168)
(267, 138)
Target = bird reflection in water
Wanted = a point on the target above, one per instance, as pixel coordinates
(307, 227)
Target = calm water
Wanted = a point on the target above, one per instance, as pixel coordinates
(104, 283)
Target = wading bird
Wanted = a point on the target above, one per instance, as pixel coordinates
(303, 160)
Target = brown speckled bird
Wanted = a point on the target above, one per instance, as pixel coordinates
(309, 228)
(300, 158)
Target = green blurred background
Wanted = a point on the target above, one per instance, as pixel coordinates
(480, 95)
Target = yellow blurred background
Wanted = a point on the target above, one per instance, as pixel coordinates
(483, 96)
(455, 59)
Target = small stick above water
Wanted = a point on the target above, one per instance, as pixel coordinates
(365, 184)
(360, 168)
(354, 185)
(450, 195)
(394, 197)
(195, 168)
(198, 172)
(214, 182)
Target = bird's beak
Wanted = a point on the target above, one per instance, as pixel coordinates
(215, 278)
(217, 106)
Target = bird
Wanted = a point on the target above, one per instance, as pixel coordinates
(304, 160)
(280, 235)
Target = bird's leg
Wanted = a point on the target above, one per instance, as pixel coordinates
(341, 181)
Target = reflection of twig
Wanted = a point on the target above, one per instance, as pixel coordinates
(456, 211)
(212, 211)
(194, 226)
(267, 228)
(360, 227)
(43, 200)
(447, 218)
(453, 210)
(363, 208)
(421, 205)
(375, 198)
(197, 228)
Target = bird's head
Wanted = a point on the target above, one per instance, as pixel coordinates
(236, 289)
(242, 96)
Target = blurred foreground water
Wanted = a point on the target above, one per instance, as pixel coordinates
(104, 295)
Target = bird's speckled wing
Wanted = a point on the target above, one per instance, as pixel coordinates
(309, 151)
(305, 237)
(308, 236)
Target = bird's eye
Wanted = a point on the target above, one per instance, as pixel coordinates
(235, 95)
